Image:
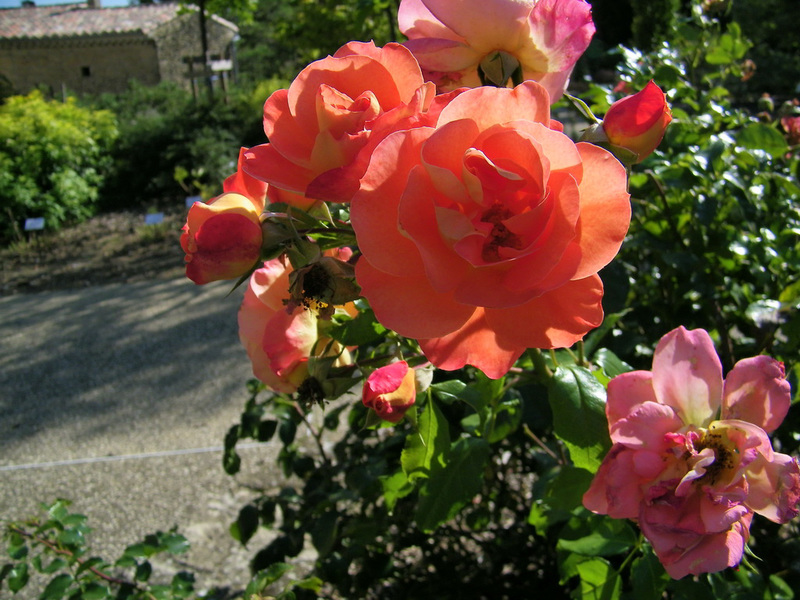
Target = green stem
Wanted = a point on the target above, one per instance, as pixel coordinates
(540, 365)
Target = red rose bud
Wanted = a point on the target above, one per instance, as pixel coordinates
(222, 239)
(637, 123)
(390, 391)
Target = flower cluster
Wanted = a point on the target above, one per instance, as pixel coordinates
(691, 460)
(396, 183)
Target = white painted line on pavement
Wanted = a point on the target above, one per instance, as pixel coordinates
(99, 459)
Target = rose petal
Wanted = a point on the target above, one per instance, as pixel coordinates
(756, 391)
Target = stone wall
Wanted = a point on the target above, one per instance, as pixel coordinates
(81, 65)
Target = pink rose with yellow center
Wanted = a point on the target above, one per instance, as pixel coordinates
(691, 460)
(455, 39)
(483, 236)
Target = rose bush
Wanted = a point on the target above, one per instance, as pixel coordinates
(318, 127)
(691, 460)
(483, 237)
(453, 41)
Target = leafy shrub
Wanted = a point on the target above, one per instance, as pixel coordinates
(53, 157)
(162, 128)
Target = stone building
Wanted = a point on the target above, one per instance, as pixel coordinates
(84, 48)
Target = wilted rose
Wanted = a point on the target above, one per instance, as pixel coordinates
(279, 341)
(691, 460)
(483, 237)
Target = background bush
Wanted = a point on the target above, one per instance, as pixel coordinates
(53, 157)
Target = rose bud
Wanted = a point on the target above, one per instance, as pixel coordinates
(222, 239)
(390, 391)
(637, 123)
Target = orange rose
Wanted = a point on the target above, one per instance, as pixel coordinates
(483, 237)
(638, 122)
(318, 126)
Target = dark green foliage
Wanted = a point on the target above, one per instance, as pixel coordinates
(165, 133)
(286, 36)
(653, 22)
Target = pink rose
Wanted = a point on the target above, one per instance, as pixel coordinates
(318, 127)
(691, 460)
(452, 39)
(483, 237)
(638, 122)
(390, 391)
(279, 342)
(222, 239)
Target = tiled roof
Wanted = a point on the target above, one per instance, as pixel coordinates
(71, 20)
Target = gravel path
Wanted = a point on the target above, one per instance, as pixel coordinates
(115, 397)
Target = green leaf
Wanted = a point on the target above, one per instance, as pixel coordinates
(18, 577)
(95, 591)
(361, 330)
(599, 581)
(648, 578)
(779, 589)
(246, 524)
(563, 494)
(607, 538)
(57, 587)
(324, 532)
(505, 420)
(264, 578)
(449, 488)
(449, 391)
(577, 400)
(143, 571)
(426, 446)
(395, 487)
(56, 564)
(610, 363)
(760, 136)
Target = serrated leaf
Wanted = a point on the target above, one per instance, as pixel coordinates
(426, 445)
(143, 571)
(577, 400)
(450, 487)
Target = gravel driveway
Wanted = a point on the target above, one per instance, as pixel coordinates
(117, 397)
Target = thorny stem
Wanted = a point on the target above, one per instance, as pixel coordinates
(540, 443)
(314, 433)
(64, 552)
